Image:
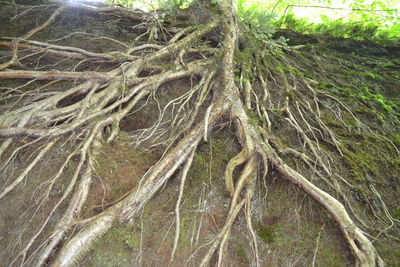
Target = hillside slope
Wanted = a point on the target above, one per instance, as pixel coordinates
(326, 108)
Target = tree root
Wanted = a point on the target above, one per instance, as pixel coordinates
(96, 103)
(361, 247)
(178, 203)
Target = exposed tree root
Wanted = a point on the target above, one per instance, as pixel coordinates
(360, 245)
(90, 111)
(178, 203)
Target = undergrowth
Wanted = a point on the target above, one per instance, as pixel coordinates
(358, 30)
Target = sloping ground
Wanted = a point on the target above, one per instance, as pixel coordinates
(365, 77)
(291, 228)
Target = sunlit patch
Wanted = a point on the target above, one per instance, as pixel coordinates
(314, 10)
(86, 1)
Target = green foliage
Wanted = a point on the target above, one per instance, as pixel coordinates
(291, 22)
(359, 24)
(259, 21)
(172, 4)
(262, 19)
(127, 3)
(359, 30)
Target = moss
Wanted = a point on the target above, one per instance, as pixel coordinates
(291, 94)
(370, 75)
(211, 159)
(242, 256)
(289, 69)
(309, 75)
(383, 103)
(123, 166)
(360, 163)
(365, 74)
(123, 89)
(366, 111)
(123, 235)
(117, 189)
(396, 214)
(328, 258)
(326, 86)
(340, 126)
(396, 138)
(332, 122)
(166, 66)
(267, 233)
(253, 117)
(366, 95)
(369, 157)
(115, 247)
(389, 251)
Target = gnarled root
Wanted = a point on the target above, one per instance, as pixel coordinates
(135, 201)
(102, 100)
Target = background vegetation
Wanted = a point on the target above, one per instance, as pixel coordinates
(373, 20)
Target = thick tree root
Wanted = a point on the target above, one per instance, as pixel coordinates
(135, 201)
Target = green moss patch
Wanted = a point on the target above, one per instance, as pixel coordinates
(116, 248)
(267, 234)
